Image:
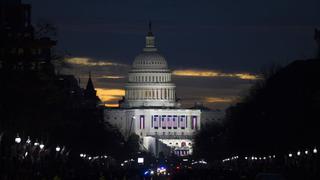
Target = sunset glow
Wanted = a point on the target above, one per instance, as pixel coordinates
(213, 73)
(85, 61)
(218, 100)
(110, 95)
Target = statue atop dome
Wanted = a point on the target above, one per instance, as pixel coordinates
(150, 40)
(150, 29)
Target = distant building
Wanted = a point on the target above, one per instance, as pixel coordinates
(20, 49)
(210, 115)
(150, 108)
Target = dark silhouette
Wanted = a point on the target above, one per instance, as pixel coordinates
(37, 102)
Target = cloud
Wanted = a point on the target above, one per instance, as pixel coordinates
(110, 96)
(111, 77)
(214, 88)
(218, 100)
(213, 74)
(112, 105)
(85, 61)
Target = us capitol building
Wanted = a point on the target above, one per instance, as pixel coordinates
(150, 110)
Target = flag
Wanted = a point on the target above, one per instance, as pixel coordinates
(169, 122)
(194, 122)
(182, 122)
(155, 121)
(163, 122)
(141, 122)
(175, 122)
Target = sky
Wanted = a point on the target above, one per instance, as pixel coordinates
(215, 49)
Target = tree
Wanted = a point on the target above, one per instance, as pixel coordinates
(279, 112)
(132, 145)
(210, 142)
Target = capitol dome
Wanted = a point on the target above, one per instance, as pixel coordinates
(149, 80)
(149, 60)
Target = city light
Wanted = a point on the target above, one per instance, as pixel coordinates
(315, 151)
(140, 160)
(298, 153)
(306, 152)
(58, 148)
(17, 139)
(41, 146)
(290, 155)
(28, 140)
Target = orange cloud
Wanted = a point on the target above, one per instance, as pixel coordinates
(213, 73)
(218, 100)
(112, 77)
(195, 73)
(111, 105)
(110, 95)
(85, 61)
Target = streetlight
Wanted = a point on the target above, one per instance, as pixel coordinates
(306, 152)
(36, 143)
(28, 140)
(290, 155)
(315, 151)
(17, 139)
(58, 148)
(41, 146)
(298, 153)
